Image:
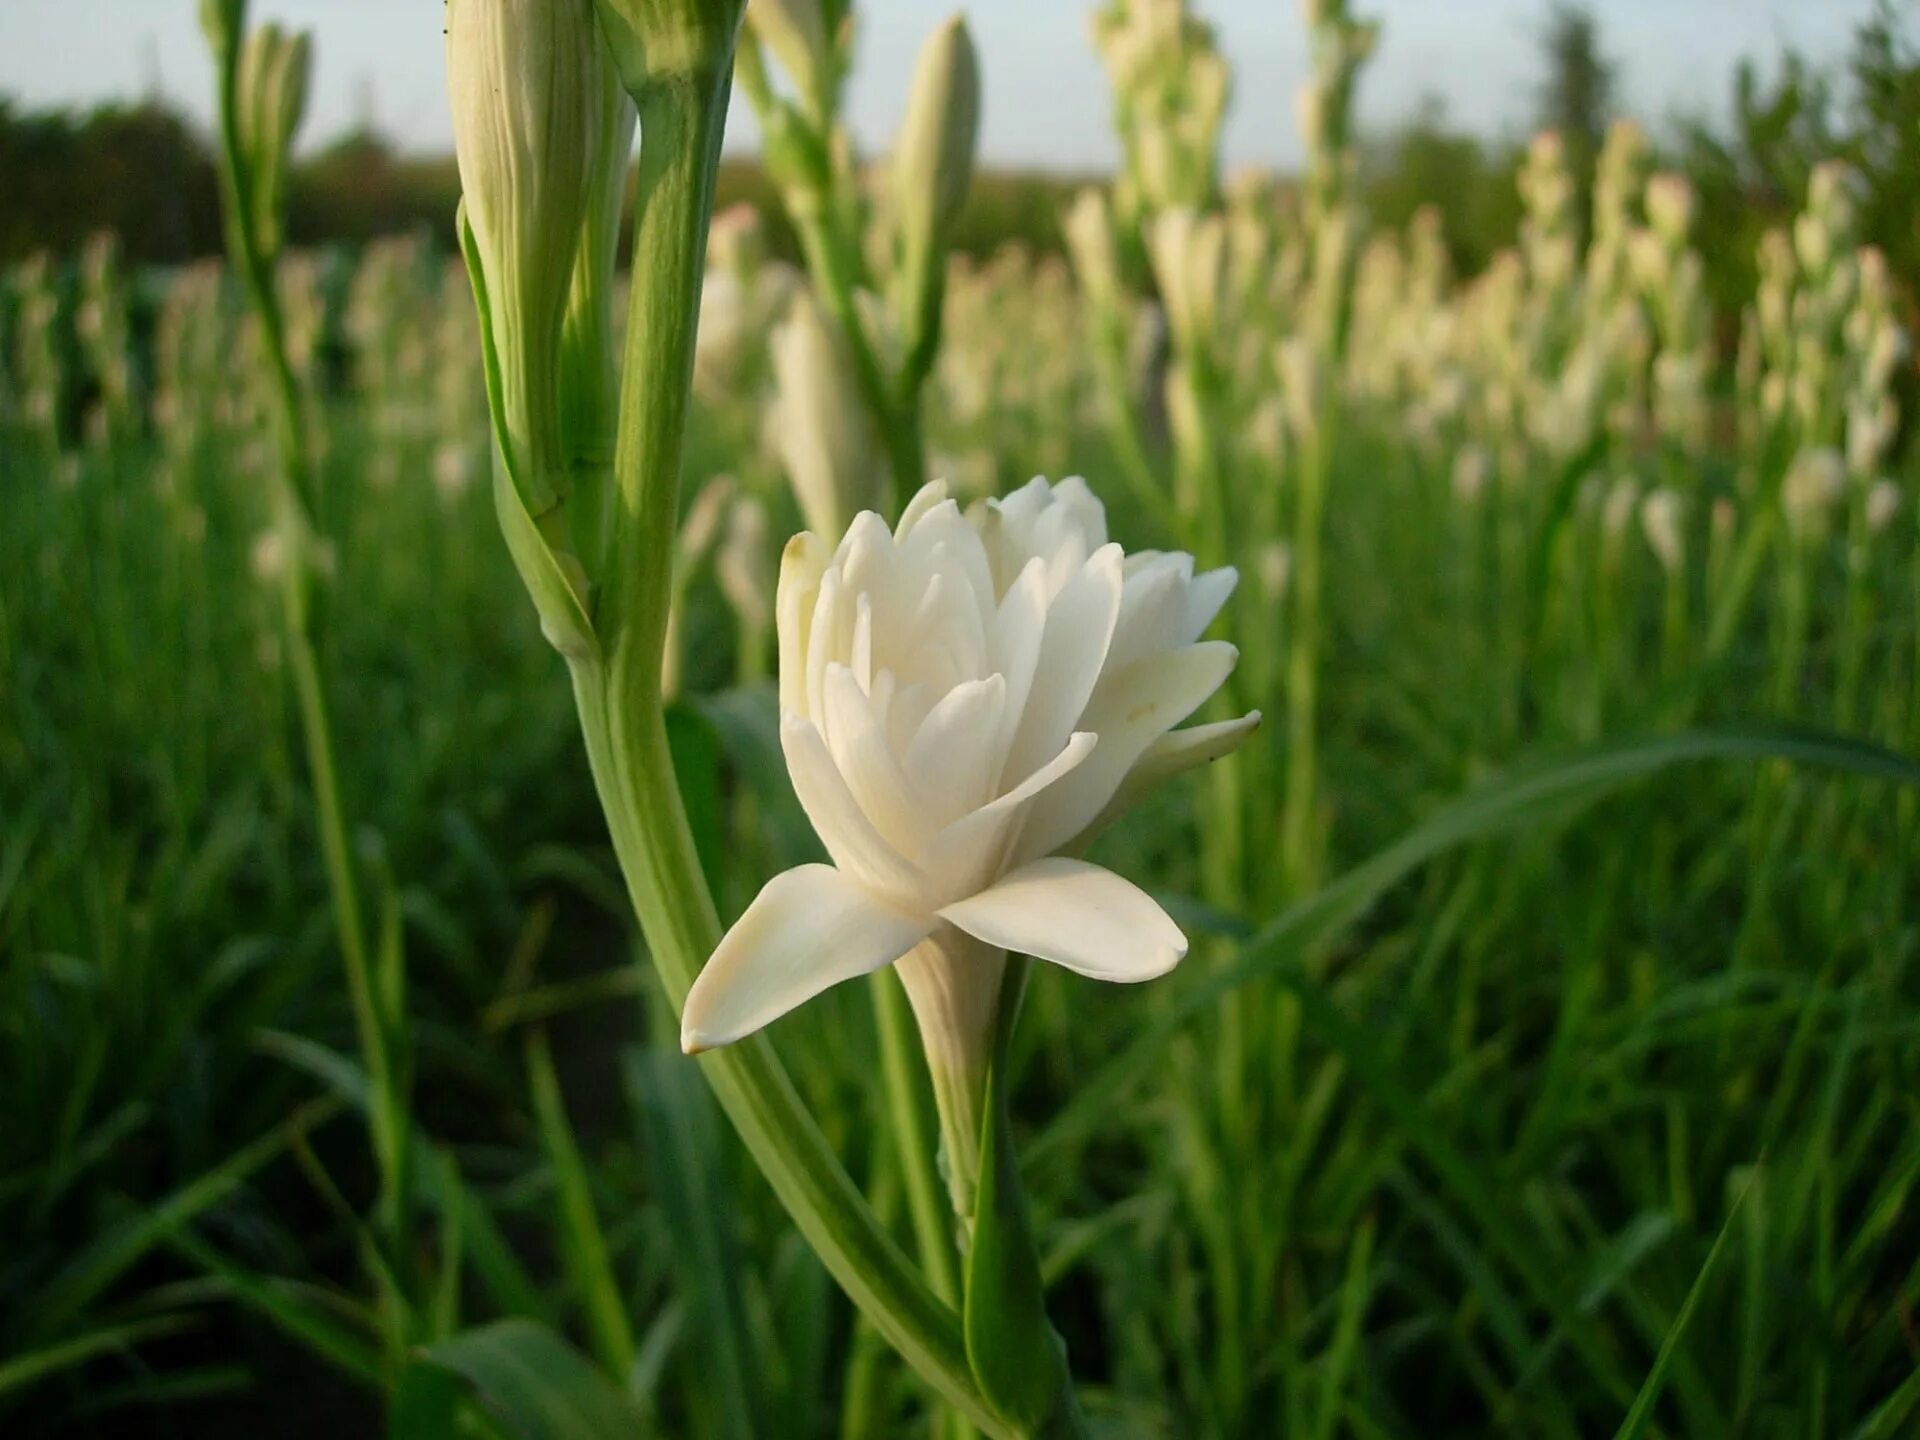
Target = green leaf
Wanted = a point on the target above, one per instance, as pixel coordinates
(583, 1246)
(1546, 792)
(22, 1370)
(535, 1385)
(1640, 1415)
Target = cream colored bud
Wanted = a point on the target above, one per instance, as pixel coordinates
(820, 428)
(745, 564)
(1472, 468)
(1189, 254)
(1660, 515)
(1670, 207)
(1617, 510)
(526, 87)
(1088, 227)
(1883, 503)
(1813, 486)
(796, 32)
(934, 151)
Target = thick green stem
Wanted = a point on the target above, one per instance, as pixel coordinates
(681, 114)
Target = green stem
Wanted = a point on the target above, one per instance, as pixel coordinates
(912, 1137)
(297, 521)
(621, 715)
(1301, 804)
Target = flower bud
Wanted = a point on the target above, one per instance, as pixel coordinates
(820, 427)
(1189, 254)
(1088, 227)
(527, 112)
(1660, 523)
(932, 169)
(1670, 207)
(270, 100)
(1883, 503)
(531, 123)
(796, 32)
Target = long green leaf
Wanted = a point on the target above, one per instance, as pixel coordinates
(1542, 793)
(535, 1385)
(1640, 1414)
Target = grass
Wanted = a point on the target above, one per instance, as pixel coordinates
(1573, 1108)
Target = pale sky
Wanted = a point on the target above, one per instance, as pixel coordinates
(1046, 98)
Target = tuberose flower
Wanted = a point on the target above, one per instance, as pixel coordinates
(965, 701)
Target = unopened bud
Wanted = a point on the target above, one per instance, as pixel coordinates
(1189, 254)
(528, 117)
(1660, 523)
(796, 32)
(932, 170)
(820, 427)
(1670, 207)
(1883, 503)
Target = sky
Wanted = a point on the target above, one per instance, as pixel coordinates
(1046, 101)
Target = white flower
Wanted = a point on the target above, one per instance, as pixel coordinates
(822, 431)
(964, 699)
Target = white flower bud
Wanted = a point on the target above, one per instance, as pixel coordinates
(527, 91)
(933, 167)
(1189, 254)
(1660, 523)
(1883, 503)
(1814, 484)
(821, 429)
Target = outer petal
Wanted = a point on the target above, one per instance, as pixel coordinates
(802, 564)
(1076, 915)
(1173, 754)
(1073, 652)
(809, 929)
(978, 846)
(843, 827)
(1132, 709)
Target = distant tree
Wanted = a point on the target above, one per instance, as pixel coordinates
(138, 170)
(1426, 163)
(1576, 94)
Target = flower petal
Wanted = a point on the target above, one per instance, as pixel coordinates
(1133, 708)
(808, 930)
(843, 827)
(954, 759)
(970, 852)
(1173, 754)
(1075, 915)
(1073, 652)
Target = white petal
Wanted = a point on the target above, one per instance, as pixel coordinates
(970, 852)
(954, 760)
(1072, 653)
(1173, 754)
(1206, 597)
(802, 564)
(843, 827)
(1075, 915)
(858, 745)
(809, 929)
(933, 493)
(1132, 709)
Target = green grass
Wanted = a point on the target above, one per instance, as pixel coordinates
(1587, 1110)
